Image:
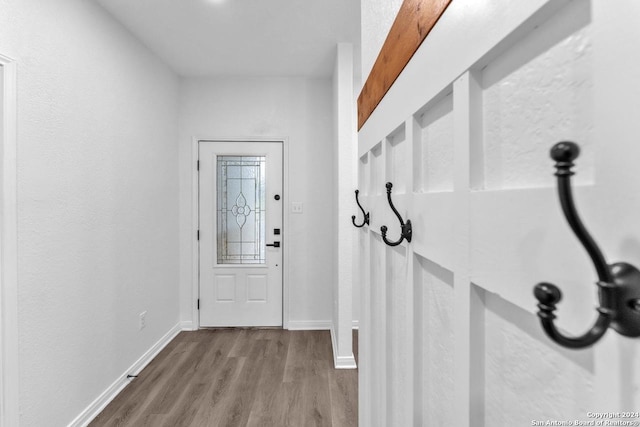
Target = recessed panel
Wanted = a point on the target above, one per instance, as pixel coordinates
(377, 330)
(528, 377)
(363, 174)
(398, 160)
(257, 287)
(399, 339)
(434, 348)
(376, 179)
(225, 285)
(434, 147)
(539, 92)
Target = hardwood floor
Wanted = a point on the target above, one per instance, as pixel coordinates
(240, 377)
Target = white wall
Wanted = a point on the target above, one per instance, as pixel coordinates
(97, 202)
(344, 184)
(295, 108)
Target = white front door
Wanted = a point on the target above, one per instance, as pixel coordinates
(240, 186)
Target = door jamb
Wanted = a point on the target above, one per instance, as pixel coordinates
(9, 373)
(195, 219)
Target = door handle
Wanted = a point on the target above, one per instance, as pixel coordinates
(274, 244)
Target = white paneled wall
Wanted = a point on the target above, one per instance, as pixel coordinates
(449, 331)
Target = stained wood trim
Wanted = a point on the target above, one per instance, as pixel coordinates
(415, 20)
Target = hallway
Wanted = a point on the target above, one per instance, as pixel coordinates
(455, 179)
(240, 377)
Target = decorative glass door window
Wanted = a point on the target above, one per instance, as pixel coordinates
(241, 209)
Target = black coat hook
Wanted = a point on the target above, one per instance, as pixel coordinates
(618, 284)
(366, 214)
(406, 230)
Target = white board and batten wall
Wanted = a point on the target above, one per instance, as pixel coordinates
(448, 329)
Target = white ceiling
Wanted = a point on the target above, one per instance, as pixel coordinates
(243, 37)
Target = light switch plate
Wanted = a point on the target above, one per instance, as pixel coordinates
(296, 207)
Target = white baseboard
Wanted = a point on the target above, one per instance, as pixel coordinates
(309, 325)
(114, 389)
(341, 362)
(187, 325)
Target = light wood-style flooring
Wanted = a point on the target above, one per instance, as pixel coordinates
(240, 377)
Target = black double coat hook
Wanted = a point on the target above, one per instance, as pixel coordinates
(366, 214)
(405, 228)
(618, 284)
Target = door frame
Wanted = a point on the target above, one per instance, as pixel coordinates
(195, 220)
(9, 340)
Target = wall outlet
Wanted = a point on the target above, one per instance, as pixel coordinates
(296, 207)
(142, 320)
